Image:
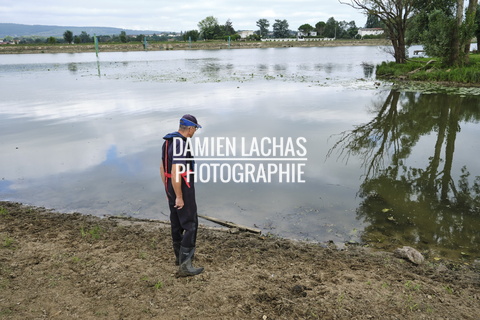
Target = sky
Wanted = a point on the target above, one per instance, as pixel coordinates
(168, 15)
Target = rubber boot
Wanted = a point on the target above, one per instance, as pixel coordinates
(176, 249)
(186, 269)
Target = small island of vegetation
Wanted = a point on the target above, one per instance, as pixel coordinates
(433, 70)
(445, 29)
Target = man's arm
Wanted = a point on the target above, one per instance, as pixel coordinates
(177, 185)
(162, 172)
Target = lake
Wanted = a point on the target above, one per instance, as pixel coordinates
(377, 164)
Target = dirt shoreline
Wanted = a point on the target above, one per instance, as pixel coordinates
(65, 266)
(199, 45)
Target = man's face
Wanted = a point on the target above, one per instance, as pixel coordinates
(191, 131)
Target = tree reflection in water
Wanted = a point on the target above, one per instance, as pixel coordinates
(420, 206)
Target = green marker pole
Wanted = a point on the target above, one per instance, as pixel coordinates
(145, 44)
(96, 43)
(229, 42)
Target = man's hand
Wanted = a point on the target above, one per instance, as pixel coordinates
(179, 203)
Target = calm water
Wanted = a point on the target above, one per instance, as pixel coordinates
(383, 166)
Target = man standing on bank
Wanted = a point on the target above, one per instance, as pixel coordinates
(176, 170)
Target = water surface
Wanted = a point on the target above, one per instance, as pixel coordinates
(387, 167)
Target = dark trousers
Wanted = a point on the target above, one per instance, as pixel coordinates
(184, 222)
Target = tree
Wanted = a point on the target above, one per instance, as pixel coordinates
(228, 28)
(331, 28)
(394, 14)
(68, 36)
(263, 24)
(85, 37)
(207, 27)
(192, 35)
(468, 30)
(306, 29)
(425, 28)
(437, 39)
(280, 29)
(373, 22)
(320, 28)
(52, 40)
(123, 37)
(140, 37)
(351, 30)
(444, 30)
(477, 30)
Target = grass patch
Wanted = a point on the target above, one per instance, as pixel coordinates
(93, 233)
(3, 212)
(418, 69)
(7, 242)
(158, 285)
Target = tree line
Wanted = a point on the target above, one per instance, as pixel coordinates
(84, 37)
(210, 29)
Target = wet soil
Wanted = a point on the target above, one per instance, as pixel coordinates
(74, 266)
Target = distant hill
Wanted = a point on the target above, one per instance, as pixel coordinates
(19, 30)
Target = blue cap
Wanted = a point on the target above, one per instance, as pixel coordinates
(189, 121)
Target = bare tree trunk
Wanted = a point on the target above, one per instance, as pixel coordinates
(398, 44)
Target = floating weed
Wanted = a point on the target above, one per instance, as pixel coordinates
(434, 88)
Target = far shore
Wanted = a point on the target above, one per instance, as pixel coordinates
(164, 46)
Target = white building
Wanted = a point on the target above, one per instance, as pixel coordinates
(370, 31)
(301, 34)
(245, 33)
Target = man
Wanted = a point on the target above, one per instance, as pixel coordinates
(176, 170)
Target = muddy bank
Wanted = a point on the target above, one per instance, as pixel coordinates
(199, 45)
(64, 266)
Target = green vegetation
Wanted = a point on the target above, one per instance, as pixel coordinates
(444, 27)
(158, 285)
(432, 70)
(93, 233)
(280, 29)
(7, 242)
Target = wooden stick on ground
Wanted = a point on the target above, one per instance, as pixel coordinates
(231, 224)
